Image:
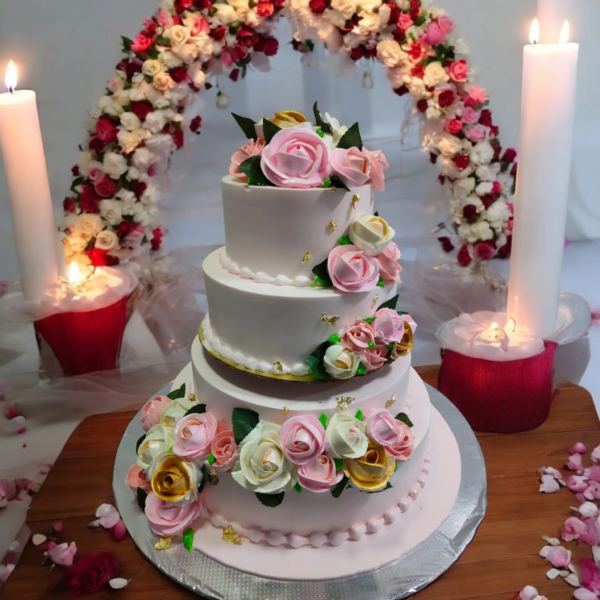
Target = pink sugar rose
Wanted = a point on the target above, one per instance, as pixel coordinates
(167, 519)
(352, 166)
(389, 266)
(378, 164)
(302, 439)
(389, 326)
(477, 96)
(358, 336)
(319, 474)
(63, 554)
(352, 270)
(470, 115)
(296, 157)
(403, 448)
(382, 427)
(459, 71)
(136, 478)
(252, 148)
(375, 358)
(193, 436)
(152, 411)
(224, 449)
(572, 529)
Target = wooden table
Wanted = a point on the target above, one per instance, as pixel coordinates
(502, 559)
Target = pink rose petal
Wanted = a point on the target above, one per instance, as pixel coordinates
(583, 594)
(58, 526)
(44, 468)
(596, 455)
(577, 483)
(108, 515)
(578, 448)
(572, 529)
(574, 464)
(63, 554)
(558, 556)
(119, 531)
(549, 485)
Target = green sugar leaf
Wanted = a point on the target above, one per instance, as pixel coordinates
(380, 283)
(335, 339)
(359, 415)
(247, 126)
(211, 459)
(336, 182)
(196, 410)
(178, 393)
(323, 419)
(270, 500)
(361, 369)
(404, 418)
(244, 420)
(369, 320)
(372, 344)
(344, 241)
(322, 273)
(391, 303)
(339, 464)
(188, 539)
(336, 492)
(269, 130)
(351, 139)
(298, 488)
(252, 169)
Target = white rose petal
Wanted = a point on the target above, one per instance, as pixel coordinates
(118, 583)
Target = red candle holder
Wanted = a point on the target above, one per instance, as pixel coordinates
(500, 397)
(86, 341)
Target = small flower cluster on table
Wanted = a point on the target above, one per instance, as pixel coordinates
(185, 448)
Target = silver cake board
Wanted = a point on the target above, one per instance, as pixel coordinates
(400, 576)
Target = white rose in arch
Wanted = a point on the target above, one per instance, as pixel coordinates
(435, 74)
(346, 7)
(107, 240)
(390, 53)
(162, 82)
(90, 225)
(110, 210)
(371, 234)
(152, 68)
(340, 363)
(130, 121)
(262, 466)
(346, 437)
(225, 13)
(178, 34)
(114, 165)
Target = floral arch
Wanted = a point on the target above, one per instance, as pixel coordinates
(111, 213)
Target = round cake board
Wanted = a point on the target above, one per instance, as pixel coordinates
(398, 560)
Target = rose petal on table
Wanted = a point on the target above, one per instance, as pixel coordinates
(94, 524)
(549, 485)
(119, 583)
(577, 483)
(58, 526)
(119, 531)
(527, 593)
(8, 489)
(108, 515)
(554, 473)
(577, 448)
(583, 594)
(63, 554)
(558, 556)
(11, 411)
(44, 468)
(596, 554)
(51, 544)
(572, 580)
(5, 571)
(596, 455)
(587, 510)
(38, 538)
(551, 541)
(14, 425)
(553, 574)
(575, 464)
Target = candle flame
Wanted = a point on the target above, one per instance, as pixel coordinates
(11, 77)
(512, 323)
(75, 274)
(565, 32)
(534, 32)
(494, 325)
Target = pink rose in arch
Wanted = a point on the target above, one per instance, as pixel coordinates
(477, 96)
(389, 266)
(378, 165)
(224, 449)
(484, 250)
(319, 475)
(389, 325)
(296, 157)
(459, 71)
(375, 358)
(446, 24)
(302, 439)
(141, 43)
(382, 428)
(153, 410)
(402, 449)
(358, 337)
(193, 436)
(351, 270)
(167, 519)
(470, 115)
(252, 148)
(477, 133)
(352, 166)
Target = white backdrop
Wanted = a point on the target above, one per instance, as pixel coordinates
(66, 49)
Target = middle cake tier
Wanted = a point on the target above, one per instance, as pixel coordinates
(273, 329)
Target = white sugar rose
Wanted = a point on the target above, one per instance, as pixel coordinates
(484, 188)
(371, 234)
(480, 231)
(369, 5)
(449, 145)
(483, 153)
(157, 441)
(497, 214)
(89, 225)
(107, 240)
(111, 211)
(435, 74)
(390, 53)
(205, 44)
(225, 13)
(337, 130)
(346, 7)
(178, 34)
(130, 121)
(138, 92)
(85, 158)
(176, 409)
(262, 466)
(340, 363)
(346, 437)
(163, 82)
(114, 165)
(155, 121)
(152, 67)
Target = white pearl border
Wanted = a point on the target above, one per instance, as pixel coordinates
(212, 342)
(261, 276)
(335, 537)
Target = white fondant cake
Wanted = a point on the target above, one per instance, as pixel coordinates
(305, 290)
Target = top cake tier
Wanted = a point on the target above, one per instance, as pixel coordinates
(277, 235)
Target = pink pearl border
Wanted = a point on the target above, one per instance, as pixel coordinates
(335, 537)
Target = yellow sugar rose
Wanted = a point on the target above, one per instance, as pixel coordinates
(371, 472)
(288, 118)
(173, 479)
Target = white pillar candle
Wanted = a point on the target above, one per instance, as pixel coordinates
(552, 14)
(547, 121)
(28, 189)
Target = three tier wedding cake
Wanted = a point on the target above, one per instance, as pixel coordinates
(300, 422)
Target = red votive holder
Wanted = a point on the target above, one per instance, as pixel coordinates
(500, 397)
(86, 341)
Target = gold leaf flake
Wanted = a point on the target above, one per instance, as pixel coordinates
(192, 397)
(343, 402)
(286, 411)
(231, 535)
(355, 200)
(213, 478)
(391, 401)
(331, 320)
(164, 543)
(307, 256)
(332, 226)
(374, 302)
(277, 367)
